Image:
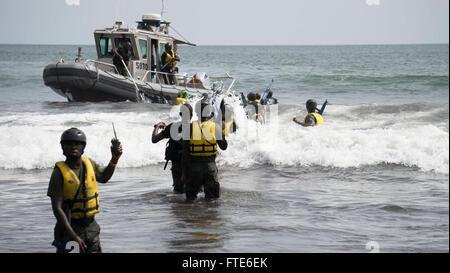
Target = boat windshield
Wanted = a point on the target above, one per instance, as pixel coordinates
(106, 46)
(143, 48)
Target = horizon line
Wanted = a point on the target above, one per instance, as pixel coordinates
(349, 44)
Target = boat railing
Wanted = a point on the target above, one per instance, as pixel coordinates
(96, 62)
(157, 77)
(166, 78)
(227, 77)
(186, 81)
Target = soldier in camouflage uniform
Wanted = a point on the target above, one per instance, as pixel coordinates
(200, 152)
(74, 193)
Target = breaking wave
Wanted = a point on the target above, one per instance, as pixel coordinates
(413, 135)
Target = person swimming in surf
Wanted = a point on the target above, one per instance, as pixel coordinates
(313, 118)
(252, 107)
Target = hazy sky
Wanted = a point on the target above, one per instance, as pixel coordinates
(234, 22)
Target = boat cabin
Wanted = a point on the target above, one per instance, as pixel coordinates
(148, 42)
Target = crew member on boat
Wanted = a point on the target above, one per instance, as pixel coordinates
(168, 63)
(122, 55)
(177, 58)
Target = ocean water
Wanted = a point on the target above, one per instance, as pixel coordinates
(377, 172)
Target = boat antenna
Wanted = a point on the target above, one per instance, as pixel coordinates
(179, 34)
(162, 12)
(162, 8)
(117, 9)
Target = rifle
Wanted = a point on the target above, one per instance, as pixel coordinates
(168, 62)
(266, 93)
(171, 58)
(322, 108)
(244, 100)
(167, 153)
(213, 99)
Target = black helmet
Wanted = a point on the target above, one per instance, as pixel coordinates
(203, 108)
(311, 105)
(73, 134)
(186, 107)
(251, 96)
(168, 46)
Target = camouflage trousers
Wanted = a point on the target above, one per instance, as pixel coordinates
(202, 174)
(89, 232)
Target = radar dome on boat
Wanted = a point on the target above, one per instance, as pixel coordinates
(151, 17)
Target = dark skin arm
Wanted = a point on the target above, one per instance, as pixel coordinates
(220, 136)
(116, 52)
(109, 170)
(156, 137)
(303, 123)
(62, 218)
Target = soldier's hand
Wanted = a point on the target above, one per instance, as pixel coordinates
(82, 244)
(115, 156)
(161, 125)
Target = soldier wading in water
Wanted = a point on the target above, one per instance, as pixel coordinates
(74, 193)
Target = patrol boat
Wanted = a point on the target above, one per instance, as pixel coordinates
(99, 80)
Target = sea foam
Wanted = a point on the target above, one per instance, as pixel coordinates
(353, 136)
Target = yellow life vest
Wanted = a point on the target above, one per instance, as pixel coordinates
(179, 101)
(319, 118)
(87, 203)
(203, 139)
(258, 101)
(227, 130)
(169, 55)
